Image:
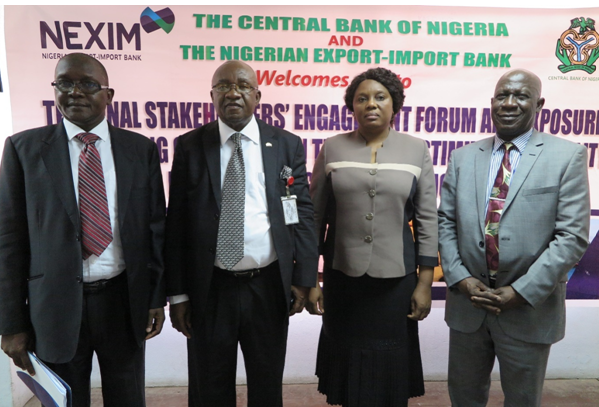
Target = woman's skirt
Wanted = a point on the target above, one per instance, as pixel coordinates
(369, 353)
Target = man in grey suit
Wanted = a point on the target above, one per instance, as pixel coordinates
(514, 218)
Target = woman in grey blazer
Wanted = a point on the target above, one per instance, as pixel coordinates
(375, 209)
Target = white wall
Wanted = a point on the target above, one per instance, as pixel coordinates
(575, 357)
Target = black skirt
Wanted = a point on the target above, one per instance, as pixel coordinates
(369, 353)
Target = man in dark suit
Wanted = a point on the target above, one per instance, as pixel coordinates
(81, 237)
(233, 284)
(513, 220)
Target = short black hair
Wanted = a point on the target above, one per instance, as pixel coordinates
(80, 56)
(383, 76)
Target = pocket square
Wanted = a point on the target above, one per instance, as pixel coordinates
(286, 172)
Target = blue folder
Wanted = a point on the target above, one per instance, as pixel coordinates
(46, 385)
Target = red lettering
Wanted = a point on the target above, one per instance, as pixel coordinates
(265, 77)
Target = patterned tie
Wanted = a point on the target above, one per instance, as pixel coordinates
(229, 245)
(495, 209)
(93, 204)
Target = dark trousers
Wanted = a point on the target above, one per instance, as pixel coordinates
(254, 314)
(106, 330)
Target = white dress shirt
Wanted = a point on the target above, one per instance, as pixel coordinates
(111, 262)
(258, 243)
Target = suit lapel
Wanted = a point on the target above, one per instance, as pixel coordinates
(531, 153)
(481, 173)
(55, 154)
(211, 142)
(270, 155)
(123, 152)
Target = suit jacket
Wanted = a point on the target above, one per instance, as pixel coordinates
(375, 203)
(40, 239)
(543, 232)
(195, 203)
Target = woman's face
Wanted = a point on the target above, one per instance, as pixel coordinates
(373, 106)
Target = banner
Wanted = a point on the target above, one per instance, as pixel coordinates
(160, 61)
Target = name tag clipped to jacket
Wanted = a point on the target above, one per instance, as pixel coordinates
(289, 201)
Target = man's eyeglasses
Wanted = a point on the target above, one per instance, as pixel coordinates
(226, 87)
(87, 87)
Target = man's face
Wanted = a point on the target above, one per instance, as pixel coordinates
(84, 110)
(515, 104)
(235, 108)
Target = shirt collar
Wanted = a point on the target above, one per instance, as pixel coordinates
(251, 131)
(101, 130)
(520, 141)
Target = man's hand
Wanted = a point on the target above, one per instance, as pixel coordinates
(480, 295)
(155, 322)
(300, 295)
(421, 302)
(16, 347)
(509, 298)
(181, 317)
(315, 304)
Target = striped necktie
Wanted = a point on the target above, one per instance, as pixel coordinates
(93, 204)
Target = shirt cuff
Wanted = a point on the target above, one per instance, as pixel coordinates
(176, 299)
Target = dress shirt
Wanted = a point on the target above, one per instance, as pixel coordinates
(520, 143)
(258, 243)
(111, 262)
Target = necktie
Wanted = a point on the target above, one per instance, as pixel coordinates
(495, 209)
(93, 204)
(229, 245)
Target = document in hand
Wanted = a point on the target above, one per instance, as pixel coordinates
(50, 389)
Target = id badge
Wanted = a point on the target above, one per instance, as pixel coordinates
(290, 209)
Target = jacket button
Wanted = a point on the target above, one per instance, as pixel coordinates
(216, 216)
(368, 239)
(211, 250)
(369, 216)
(483, 275)
(372, 193)
(372, 172)
(79, 279)
(481, 244)
(78, 237)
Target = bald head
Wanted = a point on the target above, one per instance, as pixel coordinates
(522, 75)
(516, 102)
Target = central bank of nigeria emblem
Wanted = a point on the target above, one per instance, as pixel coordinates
(577, 47)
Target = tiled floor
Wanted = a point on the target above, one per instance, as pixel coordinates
(557, 393)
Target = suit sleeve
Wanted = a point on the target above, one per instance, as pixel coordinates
(425, 219)
(14, 245)
(157, 225)
(176, 225)
(570, 238)
(305, 269)
(454, 269)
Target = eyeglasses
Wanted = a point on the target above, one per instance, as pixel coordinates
(226, 87)
(87, 87)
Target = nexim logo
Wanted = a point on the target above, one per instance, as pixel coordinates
(84, 35)
(577, 46)
(153, 20)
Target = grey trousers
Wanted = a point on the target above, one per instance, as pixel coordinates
(522, 366)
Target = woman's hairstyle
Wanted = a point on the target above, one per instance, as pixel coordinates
(383, 76)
